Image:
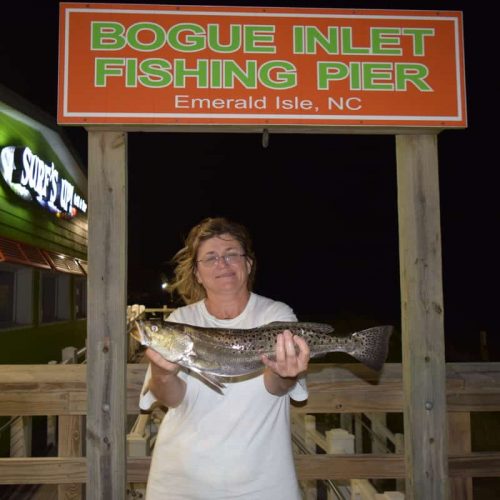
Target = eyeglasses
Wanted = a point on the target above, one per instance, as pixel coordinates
(229, 258)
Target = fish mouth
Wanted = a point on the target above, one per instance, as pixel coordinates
(137, 333)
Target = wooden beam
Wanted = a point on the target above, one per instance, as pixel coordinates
(57, 470)
(106, 323)
(62, 389)
(46, 470)
(258, 129)
(422, 317)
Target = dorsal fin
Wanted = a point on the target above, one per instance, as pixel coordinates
(308, 325)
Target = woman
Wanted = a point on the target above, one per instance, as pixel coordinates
(235, 444)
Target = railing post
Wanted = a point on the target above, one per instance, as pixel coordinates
(138, 445)
(303, 428)
(310, 487)
(459, 441)
(70, 445)
(339, 442)
(400, 449)
(68, 355)
(378, 424)
(51, 424)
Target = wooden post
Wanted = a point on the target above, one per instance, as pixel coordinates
(70, 445)
(400, 449)
(378, 437)
(338, 442)
(51, 424)
(460, 441)
(107, 305)
(310, 487)
(422, 318)
(304, 429)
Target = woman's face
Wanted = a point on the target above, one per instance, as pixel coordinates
(218, 275)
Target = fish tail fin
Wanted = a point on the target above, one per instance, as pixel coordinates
(372, 346)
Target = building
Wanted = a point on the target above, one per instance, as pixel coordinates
(43, 236)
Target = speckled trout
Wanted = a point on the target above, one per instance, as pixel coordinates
(216, 353)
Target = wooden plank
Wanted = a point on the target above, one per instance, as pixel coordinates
(106, 323)
(46, 470)
(460, 441)
(480, 401)
(422, 317)
(70, 442)
(362, 466)
(349, 466)
(57, 470)
(478, 464)
(29, 403)
(50, 377)
(461, 377)
(349, 401)
(62, 389)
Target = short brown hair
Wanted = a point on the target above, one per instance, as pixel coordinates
(185, 282)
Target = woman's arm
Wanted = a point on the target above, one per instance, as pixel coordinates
(281, 375)
(166, 386)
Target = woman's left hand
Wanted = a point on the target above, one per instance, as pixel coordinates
(292, 356)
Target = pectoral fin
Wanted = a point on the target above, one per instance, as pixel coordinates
(211, 380)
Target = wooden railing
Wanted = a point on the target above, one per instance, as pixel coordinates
(61, 390)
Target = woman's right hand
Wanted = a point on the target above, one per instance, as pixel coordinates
(160, 367)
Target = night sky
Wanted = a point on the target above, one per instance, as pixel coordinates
(322, 208)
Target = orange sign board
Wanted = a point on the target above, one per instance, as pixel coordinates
(152, 64)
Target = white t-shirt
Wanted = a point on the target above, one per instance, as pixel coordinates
(230, 446)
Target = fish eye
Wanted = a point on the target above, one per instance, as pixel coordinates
(154, 328)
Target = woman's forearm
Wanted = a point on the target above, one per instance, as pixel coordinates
(168, 389)
(279, 386)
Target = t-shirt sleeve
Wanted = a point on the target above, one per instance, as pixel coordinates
(147, 398)
(279, 311)
(299, 391)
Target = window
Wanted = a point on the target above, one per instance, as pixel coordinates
(49, 287)
(55, 297)
(80, 297)
(16, 295)
(7, 279)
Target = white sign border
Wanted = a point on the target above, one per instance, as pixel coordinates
(283, 116)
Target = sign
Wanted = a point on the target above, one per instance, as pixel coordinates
(33, 179)
(150, 64)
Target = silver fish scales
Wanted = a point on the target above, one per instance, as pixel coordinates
(217, 353)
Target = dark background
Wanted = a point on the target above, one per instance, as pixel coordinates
(322, 208)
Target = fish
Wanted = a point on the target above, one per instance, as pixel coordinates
(220, 353)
